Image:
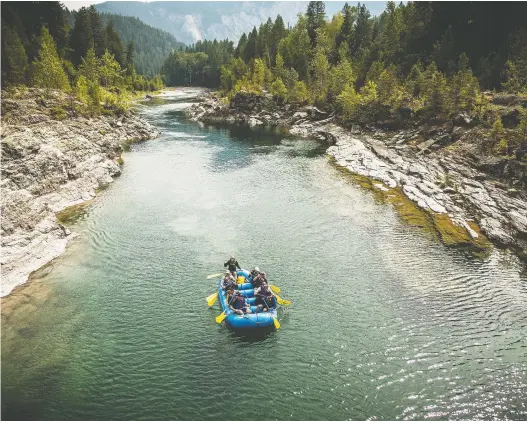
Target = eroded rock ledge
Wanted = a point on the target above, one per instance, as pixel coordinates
(49, 165)
(435, 167)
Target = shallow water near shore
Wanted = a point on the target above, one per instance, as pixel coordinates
(387, 323)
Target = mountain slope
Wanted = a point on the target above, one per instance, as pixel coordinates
(193, 21)
(152, 45)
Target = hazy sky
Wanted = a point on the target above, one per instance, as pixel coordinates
(76, 5)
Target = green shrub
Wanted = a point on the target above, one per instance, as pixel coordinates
(58, 113)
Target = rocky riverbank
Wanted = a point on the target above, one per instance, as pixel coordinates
(467, 197)
(52, 159)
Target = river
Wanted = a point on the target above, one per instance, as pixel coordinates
(386, 323)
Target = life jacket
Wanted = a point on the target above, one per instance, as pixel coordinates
(270, 301)
(228, 283)
(232, 265)
(238, 302)
(265, 292)
(258, 280)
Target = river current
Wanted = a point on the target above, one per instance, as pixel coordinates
(386, 323)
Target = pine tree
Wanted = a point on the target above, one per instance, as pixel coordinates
(279, 66)
(47, 71)
(316, 16)
(320, 69)
(130, 52)
(94, 98)
(98, 32)
(513, 81)
(414, 80)
(434, 90)
(346, 30)
(89, 67)
(278, 89)
(349, 102)
(81, 38)
(362, 36)
(109, 70)
(258, 78)
(389, 88)
(300, 94)
(14, 59)
(464, 87)
(341, 76)
(249, 51)
(81, 90)
(278, 32)
(115, 45)
(240, 49)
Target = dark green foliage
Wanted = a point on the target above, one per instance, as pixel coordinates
(115, 45)
(152, 45)
(130, 54)
(316, 15)
(417, 56)
(81, 38)
(14, 58)
(97, 30)
(40, 47)
(200, 64)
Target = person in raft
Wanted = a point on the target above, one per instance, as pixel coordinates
(232, 264)
(259, 280)
(265, 298)
(228, 284)
(239, 305)
(255, 272)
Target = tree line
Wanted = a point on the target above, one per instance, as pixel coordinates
(40, 49)
(198, 64)
(152, 45)
(431, 57)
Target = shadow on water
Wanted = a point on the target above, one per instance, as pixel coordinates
(249, 336)
(246, 144)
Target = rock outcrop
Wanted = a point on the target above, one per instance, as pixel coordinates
(466, 195)
(48, 165)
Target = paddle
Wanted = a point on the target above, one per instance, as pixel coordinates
(276, 323)
(221, 317)
(211, 299)
(215, 275)
(282, 302)
(274, 288)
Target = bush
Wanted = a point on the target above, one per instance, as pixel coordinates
(58, 113)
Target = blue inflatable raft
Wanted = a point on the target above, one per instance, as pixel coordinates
(247, 321)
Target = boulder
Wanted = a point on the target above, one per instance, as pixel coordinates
(462, 119)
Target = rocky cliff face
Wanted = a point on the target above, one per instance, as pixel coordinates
(50, 161)
(436, 167)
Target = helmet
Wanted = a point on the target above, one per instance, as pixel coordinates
(227, 272)
(232, 257)
(257, 269)
(263, 273)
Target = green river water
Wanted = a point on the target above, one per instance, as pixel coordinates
(387, 323)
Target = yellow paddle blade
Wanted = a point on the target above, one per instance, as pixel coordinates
(221, 317)
(276, 323)
(241, 279)
(215, 275)
(282, 302)
(211, 299)
(275, 288)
